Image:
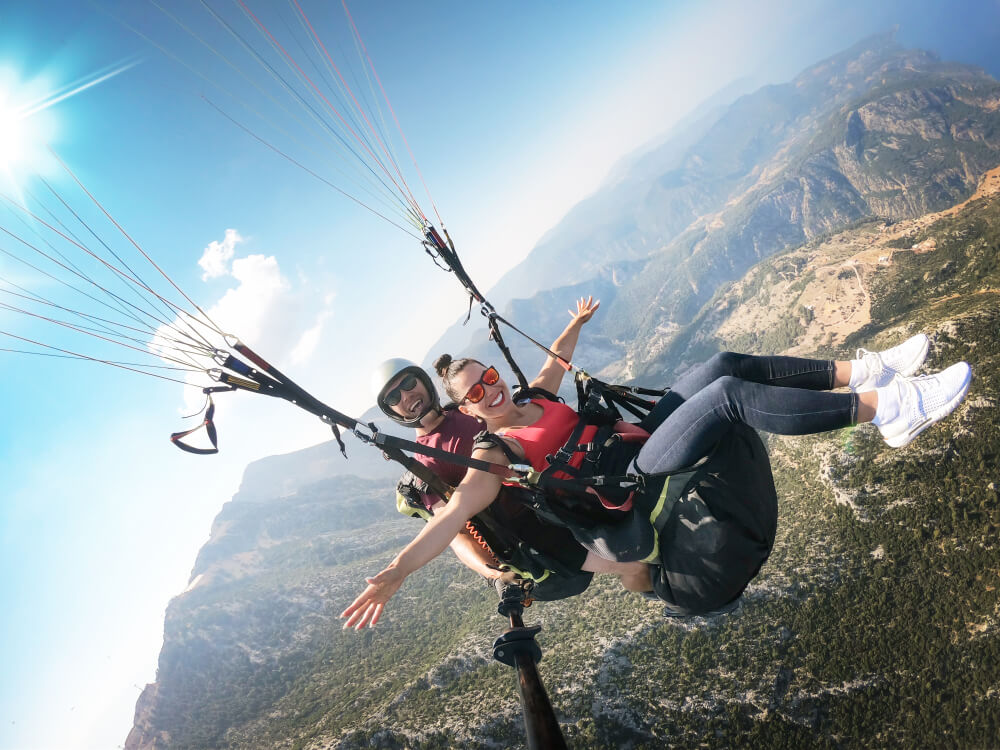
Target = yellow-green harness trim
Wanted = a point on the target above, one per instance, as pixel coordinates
(657, 510)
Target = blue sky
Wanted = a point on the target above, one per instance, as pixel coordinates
(515, 111)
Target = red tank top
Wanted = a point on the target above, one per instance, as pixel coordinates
(549, 433)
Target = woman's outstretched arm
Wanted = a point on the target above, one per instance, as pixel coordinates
(552, 372)
(474, 494)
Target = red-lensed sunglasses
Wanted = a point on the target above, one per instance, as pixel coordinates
(477, 392)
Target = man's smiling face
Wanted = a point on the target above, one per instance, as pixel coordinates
(411, 402)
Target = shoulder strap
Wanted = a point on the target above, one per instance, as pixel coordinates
(528, 392)
(485, 440)
(434, 483)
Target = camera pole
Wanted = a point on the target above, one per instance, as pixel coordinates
(517, 648)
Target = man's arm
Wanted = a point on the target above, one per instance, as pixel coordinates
(470, 552)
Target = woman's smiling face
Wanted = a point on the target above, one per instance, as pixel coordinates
(496, 399)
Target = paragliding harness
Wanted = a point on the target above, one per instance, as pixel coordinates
(706, 529)
(586, 486)
(610, 444)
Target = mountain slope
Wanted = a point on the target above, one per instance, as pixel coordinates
(874, 624)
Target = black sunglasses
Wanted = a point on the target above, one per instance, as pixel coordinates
(394, 396)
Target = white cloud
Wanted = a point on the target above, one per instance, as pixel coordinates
(215, 260)
(282, 320)
(259, 308)
(307, 344)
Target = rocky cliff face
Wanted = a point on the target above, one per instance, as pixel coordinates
(258, 608)
(912, 135)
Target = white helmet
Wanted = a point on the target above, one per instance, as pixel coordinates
(388, 371)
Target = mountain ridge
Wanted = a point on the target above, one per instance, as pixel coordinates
(830, 157)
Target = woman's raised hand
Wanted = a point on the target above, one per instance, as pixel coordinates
(585, 309)
(367, 608)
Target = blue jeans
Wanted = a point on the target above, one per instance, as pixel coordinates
(784, 395)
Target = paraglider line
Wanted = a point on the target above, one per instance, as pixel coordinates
(333, 109)
(137, 247)
(77, 355)
(390, 192)
(399, 127)
(356, 103)
(300, 165)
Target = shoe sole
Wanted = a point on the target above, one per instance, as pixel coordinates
(907, 436)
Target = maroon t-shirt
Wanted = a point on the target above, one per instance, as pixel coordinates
(456, 434)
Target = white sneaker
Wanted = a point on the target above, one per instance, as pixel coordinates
(904, 359)
(923, 401)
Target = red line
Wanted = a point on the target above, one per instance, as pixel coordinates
(320, 93)
(385, 96)
(360, 109)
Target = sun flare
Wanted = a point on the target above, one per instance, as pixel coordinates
(27, 118)
(10, 136)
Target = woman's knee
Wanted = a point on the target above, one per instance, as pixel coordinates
(595, 564)
(726, 363)
(726, 386)
(638, 580)
(727, 396)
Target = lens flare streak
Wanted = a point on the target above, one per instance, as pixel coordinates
(21, 145)
(73, 89)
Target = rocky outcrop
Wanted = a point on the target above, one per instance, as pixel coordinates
(145, 735)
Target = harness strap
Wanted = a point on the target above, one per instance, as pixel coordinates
(285, 388)
(261, 377)
(504, 349)
(277, 385)
(383, 440)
